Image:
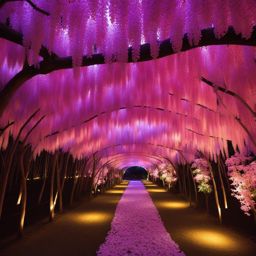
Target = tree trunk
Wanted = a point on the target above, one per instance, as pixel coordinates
(59, 187)
(52, 199)
(189, 185)
(44, 177)
(184, 181)
(4, 175)
(23, 194)
(74, 184)
(24, 168)
(195, 188)
(222, 185)
(215, 192)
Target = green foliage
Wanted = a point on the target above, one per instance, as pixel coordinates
(204, 187)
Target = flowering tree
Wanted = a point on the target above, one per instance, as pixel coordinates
(242, 173)
(167, 174)
(155, 173)
(202, 175)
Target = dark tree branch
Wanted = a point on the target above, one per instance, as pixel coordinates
(26, 123)
(231, 93)
(165, 47)
(197, 104)
(205, 107)
(14, 36)
(204, 135)
(5, 127)
(33, 5)
(34, 126)
(239, 121)
(246, 130)
(14, 84)
(197, 133)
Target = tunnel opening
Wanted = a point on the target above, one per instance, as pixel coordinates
(135, 173)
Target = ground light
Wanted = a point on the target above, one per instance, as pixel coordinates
(111, 201)
(92, 217)
(112, 191)
(121, 186)
(157, 190)
(173, 204)
(212, 239)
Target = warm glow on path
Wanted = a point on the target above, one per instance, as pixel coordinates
(173, 204)
(212, 239)
(92, 217)
(156, 190)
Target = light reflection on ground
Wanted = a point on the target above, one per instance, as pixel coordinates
(173, 204)
(156, 190)
(111, 201)
(112, 191)
(92, 217)
(212, 239)
(121, 186)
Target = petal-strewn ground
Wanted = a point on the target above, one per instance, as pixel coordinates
(137, 228)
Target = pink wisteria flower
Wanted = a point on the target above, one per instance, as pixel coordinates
(170, 175)
(166, 173)
(242, 173)
(154, 173)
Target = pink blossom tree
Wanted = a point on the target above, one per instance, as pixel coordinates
(242, 173)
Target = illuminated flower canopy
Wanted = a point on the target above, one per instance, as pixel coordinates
(132, 113)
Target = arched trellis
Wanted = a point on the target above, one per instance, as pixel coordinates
(116, 159)
(132, 155)
(126, 155)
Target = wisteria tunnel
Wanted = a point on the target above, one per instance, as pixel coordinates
(127, 127)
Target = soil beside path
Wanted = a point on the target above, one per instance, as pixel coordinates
(194, 231)
(79, 231)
